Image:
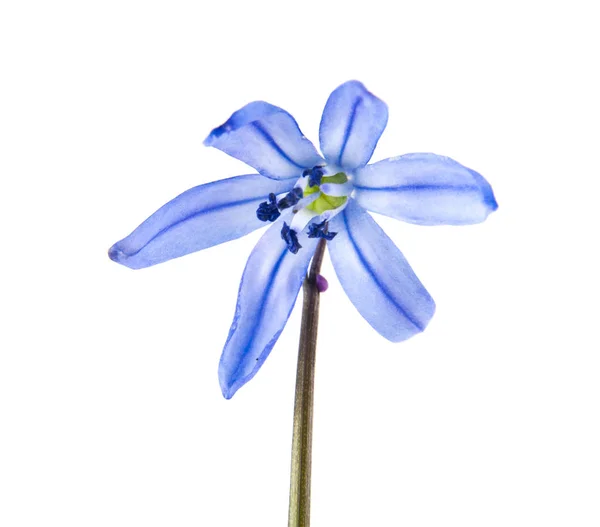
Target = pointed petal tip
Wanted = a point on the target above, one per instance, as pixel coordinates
(353, 83)
(227, 393)
(428, 318)
(423, 323)
(230, 380)
(116, 254)
(215, 134)
(229, 387)
(490, 201)
(486, 191)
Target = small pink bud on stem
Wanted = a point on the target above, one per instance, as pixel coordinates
(322, 284)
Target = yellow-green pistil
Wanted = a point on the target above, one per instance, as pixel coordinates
(325, 202)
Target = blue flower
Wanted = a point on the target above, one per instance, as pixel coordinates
(308, 197)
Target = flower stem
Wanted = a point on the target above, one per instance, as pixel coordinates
(299, 513)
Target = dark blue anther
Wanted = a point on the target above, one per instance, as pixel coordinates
(290, 199)
(319, 230)
(314, 175)
(290, 238)
(267, 210)
(314, 179)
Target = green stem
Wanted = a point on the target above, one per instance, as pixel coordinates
(299, 513)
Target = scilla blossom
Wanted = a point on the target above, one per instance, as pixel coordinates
(308, 197)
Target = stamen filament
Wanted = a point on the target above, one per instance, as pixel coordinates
(337, 189)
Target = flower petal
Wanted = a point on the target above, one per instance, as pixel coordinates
(352, 123)
(266, 138)
(268, 291)
(426, 189)
(199, 218)
(376, 276)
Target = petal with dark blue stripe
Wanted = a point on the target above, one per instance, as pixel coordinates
(268, 291)
(199, 218)
(376, 276)
(268, 139)
(426, 189)
(352, 123)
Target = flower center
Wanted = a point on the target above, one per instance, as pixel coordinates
(315, 199)
(324, 201)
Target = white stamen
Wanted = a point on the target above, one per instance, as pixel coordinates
(305, 202)
(337, 189)
(301, 219)
(329, 214)
(330, 170)
(302, 183)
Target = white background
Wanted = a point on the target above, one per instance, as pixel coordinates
(110, 409)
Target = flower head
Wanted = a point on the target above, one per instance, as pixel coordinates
(309, 197)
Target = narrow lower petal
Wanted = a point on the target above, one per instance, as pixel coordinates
(352, 123)
(268, 291)
(376, 276)
(426, 189)
(199, 218)
(268, 139)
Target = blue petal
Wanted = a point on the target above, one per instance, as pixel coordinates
(199, 218)
(352, 123)
(266, 138)
(376, 277)
(268, 292)
(426, 189)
